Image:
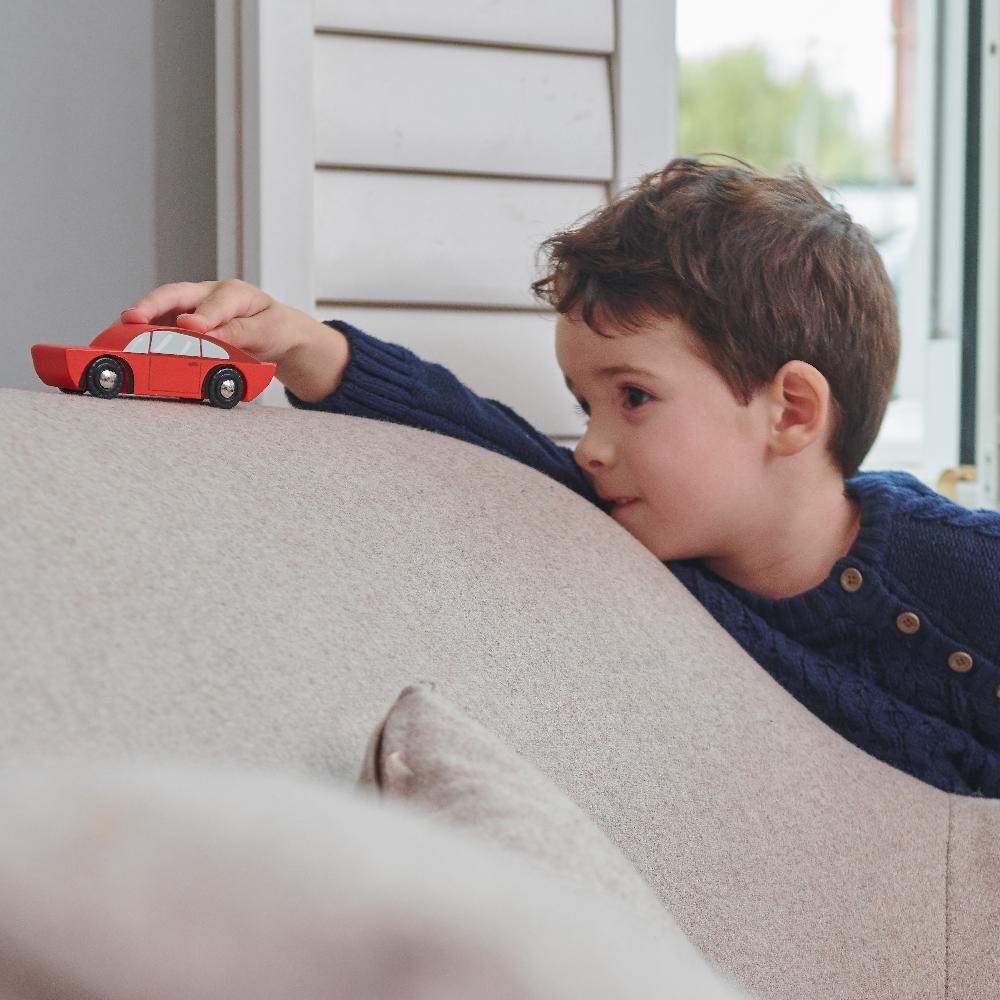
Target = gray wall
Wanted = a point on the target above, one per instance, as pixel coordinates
(107, 171)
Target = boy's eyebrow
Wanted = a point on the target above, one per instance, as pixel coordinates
(615, 370)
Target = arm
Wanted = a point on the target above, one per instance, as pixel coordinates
(388, 382)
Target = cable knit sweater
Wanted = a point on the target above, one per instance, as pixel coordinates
(898, 650)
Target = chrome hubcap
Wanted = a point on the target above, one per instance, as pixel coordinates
(108, 378)
(227, 388)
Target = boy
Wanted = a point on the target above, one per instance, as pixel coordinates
(733, 339)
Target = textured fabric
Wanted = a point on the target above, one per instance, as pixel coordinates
(973, 915)
(257, 585)
(179, 883)
(840, 653)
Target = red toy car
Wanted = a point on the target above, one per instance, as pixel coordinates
(149, 360)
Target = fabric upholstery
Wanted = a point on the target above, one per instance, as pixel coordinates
(973, 892)
(194, 883)
(258, 584)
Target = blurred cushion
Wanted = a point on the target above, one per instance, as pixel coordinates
(123, 880)
(431, 753)
(428, 752)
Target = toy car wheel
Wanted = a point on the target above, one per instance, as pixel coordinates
(226, 388)
(106, 378)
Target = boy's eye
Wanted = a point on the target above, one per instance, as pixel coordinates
(636, 397)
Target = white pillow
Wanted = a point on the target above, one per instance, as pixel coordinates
(127, 880)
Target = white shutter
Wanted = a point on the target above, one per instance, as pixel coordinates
(447, 140)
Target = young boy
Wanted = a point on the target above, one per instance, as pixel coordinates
(732, 338)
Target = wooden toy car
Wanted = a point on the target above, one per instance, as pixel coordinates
(147, 360)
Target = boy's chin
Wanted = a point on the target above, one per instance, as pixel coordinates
(665, 548)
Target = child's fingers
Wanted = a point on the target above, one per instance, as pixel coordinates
(163, 304)
(231, 310)
(228, 300)
(241, 333)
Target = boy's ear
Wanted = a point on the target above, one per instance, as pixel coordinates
(799, 398)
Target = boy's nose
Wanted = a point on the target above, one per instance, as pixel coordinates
(591, 453)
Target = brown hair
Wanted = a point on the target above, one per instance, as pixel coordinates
(764, 270)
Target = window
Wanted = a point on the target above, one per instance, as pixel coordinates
(171, 342)
(210, 350)
(791, 82)
(138, 345)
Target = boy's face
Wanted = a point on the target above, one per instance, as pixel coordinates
(673, 437)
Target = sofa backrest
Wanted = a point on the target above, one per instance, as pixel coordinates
(257, 585)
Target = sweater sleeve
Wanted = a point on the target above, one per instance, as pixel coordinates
(385, 381)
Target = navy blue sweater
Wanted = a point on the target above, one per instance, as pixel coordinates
(898, 650)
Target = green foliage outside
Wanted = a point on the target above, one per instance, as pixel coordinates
(733, 104)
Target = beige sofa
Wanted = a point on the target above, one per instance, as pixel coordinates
(210, 610)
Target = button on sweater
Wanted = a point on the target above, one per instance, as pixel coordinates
(898, 650)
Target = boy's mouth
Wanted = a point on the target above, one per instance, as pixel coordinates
(621, 505)
(617, 501)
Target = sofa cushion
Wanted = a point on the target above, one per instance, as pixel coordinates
(174, 882)
(429, 753)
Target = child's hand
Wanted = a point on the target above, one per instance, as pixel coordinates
(310, 356)
(234, 311)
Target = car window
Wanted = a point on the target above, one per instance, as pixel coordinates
(138, 345)
(171, 342)
(210, 350)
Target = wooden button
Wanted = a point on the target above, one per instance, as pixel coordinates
(960, 662)
(908, 623)
(851, 579)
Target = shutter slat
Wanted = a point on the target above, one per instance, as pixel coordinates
(440, 107)
(383, 238)
(580, 25)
